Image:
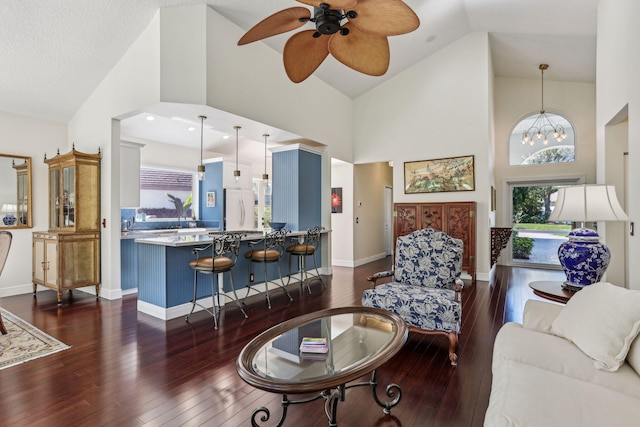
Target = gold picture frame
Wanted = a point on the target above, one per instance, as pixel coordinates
(439, 175)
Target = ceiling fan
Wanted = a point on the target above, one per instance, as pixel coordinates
(359, 43)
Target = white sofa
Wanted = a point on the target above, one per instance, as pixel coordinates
(573, 365)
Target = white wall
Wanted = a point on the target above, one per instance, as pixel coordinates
(250, 81)
(132, 84)
(617, 86)
(246, 83)
(518, 98)
(617, 143)
(32, 137)
(438, 108)
(183, 45)
(369, 182)
(342, 223)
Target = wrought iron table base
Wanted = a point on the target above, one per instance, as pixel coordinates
(332, 397)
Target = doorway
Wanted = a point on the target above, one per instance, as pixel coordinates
(535, 242)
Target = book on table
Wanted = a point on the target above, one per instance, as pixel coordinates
(314, 345)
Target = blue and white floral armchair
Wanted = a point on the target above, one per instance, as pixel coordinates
(426, 286)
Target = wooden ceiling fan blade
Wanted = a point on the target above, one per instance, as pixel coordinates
(367, 53)
(278, 23)
(385, 17)
(303, 54)
(333, 4)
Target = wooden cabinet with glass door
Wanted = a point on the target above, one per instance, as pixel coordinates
(74, 192)
(68, 256)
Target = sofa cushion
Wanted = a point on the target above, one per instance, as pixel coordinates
(602, 320)
(539, 315)
(555, 354)
(525, 395)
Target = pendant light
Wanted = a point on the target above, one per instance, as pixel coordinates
(201, 170)
(543, 127)
(265, 175)
(236, 173)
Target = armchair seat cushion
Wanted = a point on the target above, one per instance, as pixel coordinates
(425, 308)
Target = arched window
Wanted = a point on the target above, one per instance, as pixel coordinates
(540, 139)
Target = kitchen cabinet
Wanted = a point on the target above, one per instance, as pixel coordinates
(457, 219)
(68, 255)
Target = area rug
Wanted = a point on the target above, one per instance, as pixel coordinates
(24, 342)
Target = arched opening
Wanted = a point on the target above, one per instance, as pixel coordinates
(542, 139)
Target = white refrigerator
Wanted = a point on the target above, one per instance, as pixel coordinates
(239, 210)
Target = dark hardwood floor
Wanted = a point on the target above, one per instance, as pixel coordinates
(127, 369)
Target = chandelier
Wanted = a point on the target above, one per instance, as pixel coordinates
(542, 128)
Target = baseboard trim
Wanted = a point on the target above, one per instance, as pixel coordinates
(358, 262)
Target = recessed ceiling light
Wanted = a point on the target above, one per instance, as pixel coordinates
(150, 118)
(191, 128)
(225, 137)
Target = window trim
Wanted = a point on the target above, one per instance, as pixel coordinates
(195, 190)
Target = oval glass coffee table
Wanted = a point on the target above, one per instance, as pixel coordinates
(359, 340)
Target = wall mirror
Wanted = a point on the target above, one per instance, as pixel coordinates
(15, 192)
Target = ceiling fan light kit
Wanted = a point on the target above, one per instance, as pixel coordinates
(359, 43)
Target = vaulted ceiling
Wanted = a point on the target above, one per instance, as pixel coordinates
(55, 52)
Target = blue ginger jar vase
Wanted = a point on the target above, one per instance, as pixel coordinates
(583, 258)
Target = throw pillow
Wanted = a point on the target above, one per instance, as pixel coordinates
(602, 320)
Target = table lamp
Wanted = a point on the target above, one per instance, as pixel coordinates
(583, 258)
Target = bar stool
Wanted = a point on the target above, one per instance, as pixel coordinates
(268, 250)
(302, 250)
(224, 254)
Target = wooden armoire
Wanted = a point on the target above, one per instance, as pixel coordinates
(457, 219)
(68, 255)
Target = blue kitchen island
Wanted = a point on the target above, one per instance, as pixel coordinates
(165, 280)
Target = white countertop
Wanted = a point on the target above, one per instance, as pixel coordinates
(185, 239)
(164, 232)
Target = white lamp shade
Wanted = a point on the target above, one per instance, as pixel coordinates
(588, 203)
(9, 208)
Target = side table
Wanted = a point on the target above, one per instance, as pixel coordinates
(552, 290)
